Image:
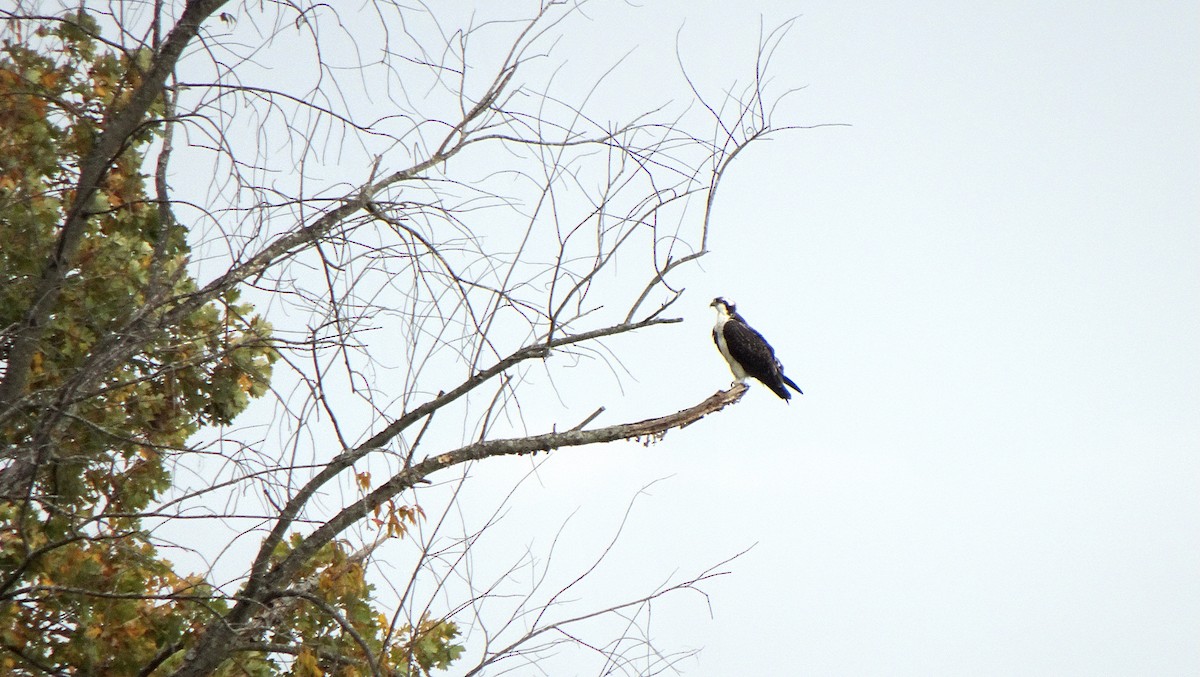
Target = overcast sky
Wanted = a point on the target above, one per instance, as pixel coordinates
(988, 287)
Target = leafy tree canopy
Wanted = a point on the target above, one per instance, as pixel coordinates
(83, 589)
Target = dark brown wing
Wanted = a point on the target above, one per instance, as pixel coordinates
(755, 355)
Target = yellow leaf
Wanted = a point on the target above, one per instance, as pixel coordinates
(306, 665)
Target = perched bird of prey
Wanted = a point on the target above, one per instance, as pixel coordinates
(747, 352)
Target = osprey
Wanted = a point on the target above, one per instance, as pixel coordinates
(747, 352)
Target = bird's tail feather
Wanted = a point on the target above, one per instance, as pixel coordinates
(792, 384)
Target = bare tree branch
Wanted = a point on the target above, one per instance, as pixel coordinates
(431, 225)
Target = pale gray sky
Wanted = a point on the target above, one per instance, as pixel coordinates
(989, 288)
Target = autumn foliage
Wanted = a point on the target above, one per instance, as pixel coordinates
(82, 589)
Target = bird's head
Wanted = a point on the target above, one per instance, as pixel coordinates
(725, 308)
